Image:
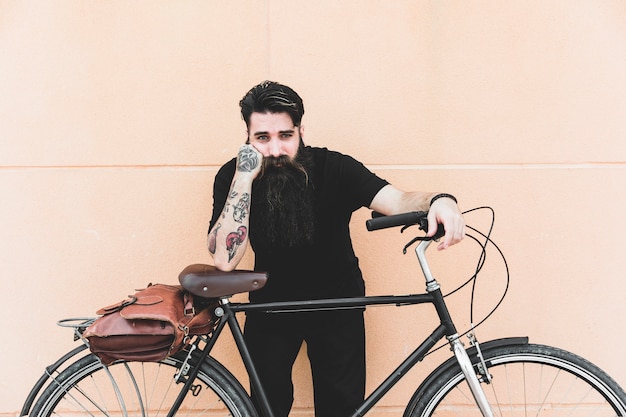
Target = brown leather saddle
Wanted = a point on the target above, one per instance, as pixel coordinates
(208, 282)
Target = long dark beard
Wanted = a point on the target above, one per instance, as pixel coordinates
(283, 206)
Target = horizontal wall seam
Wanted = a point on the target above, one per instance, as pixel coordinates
(523, 166)
(374, 167)
(113, 167)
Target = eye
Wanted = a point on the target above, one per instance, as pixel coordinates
(286, 135)
(262, 138)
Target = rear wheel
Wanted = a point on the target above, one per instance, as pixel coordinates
(527, 380)
(143, 389)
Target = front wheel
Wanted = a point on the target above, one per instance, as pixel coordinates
(140, 389)
(527, 380)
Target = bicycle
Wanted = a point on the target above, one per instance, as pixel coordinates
(502, 377)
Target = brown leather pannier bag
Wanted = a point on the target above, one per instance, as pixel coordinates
(154, 323)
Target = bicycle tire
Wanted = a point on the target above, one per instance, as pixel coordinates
(528, 380)
(89, 388)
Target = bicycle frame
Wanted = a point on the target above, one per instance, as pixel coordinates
(446, 328)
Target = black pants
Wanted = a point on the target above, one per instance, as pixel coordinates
(336, 349)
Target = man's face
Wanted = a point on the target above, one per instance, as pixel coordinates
(274, 135)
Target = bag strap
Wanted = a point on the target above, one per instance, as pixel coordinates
(189, 312)
(117, 306)
(188, 307)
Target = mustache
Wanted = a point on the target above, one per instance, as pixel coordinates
(279, 164)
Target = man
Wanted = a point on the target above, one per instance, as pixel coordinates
(293, 203)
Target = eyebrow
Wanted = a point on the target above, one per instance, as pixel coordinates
(262, 133)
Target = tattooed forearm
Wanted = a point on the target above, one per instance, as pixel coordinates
(242, 208)
(228, 240)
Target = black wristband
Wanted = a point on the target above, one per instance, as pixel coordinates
(443, 195)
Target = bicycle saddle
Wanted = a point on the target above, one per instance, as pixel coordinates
(209, 282)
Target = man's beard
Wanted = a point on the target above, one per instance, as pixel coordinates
(282, 208)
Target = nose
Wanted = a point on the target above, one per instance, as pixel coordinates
(275, 148)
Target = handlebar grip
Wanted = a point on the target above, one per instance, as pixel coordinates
(404, 219)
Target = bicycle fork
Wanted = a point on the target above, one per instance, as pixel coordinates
(463, 359)
(470, 376)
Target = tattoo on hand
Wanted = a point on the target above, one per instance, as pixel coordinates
(247, 160)
(241, 208)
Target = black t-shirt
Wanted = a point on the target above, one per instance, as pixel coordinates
(328, 267)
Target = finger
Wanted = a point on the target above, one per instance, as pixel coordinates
(448, 240)
(432, 225)
(454, 234)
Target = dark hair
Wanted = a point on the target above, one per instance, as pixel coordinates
(272, 97)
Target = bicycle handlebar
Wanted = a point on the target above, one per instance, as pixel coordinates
(420, 218)
(380, 221)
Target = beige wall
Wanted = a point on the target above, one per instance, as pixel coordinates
(114, 117)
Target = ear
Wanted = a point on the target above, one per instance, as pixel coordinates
(301, 132)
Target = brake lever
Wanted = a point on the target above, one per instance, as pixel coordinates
(406, 227)
(418, 238)
(423, 226)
